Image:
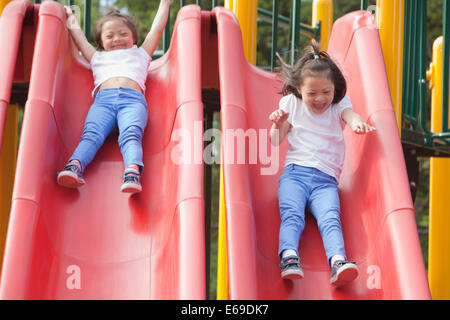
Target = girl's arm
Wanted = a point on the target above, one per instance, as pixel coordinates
(78, 36)
(355, 122)
(280, 126)
(152, 38)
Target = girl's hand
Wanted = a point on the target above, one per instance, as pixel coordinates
(360, 127)
(68, 11)
(278, 117)
(72, 22)
(355, 122)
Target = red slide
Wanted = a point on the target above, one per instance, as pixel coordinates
(96, 242)
(378, 221)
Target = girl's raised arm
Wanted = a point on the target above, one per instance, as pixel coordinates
(152, 38)
(78, 36)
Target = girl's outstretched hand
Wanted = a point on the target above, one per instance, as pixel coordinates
(72, 22)
(355, 122)
(68, 11)
(278, 116)
(360, 127)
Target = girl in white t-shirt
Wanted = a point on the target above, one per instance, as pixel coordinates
(120, 71)
(312, 114)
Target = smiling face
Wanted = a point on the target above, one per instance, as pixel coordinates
(116, 35)
(317, 93)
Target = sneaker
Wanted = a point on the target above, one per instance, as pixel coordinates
(343, 272)
(290, 268)
(131, 183)
(70, 177)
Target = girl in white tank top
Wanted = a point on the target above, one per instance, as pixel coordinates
(120, 70)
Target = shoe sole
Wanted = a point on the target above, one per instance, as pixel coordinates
(131, 188)
(347, 274)
(292, 274)
(70, 180)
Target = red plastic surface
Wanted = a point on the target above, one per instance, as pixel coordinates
(96, 242)
(17, 30)
(377, 216)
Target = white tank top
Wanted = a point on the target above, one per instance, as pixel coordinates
(131, 63)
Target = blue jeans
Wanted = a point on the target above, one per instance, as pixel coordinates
(300, 187)
(124, 106)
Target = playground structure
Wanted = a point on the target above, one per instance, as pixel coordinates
(152, 246)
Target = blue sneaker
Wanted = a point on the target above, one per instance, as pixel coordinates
(70, 177)
(290, 268)
(343, 272)
(131, 183)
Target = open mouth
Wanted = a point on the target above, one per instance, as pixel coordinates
(118, 46)
(319, 107)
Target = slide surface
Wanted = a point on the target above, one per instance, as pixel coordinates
(95, 242)
(377, 215)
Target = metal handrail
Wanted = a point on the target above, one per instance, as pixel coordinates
(414, 72)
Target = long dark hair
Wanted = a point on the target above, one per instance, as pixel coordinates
(114, 14)
(314, 62)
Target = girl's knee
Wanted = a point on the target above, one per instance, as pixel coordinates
(330, 219)
(93, 134)
(131, 133)
(292, 217)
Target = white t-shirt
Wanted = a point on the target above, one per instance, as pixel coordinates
(316, 140)
(131, 63)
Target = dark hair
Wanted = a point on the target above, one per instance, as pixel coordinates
(110, 15)
(314, 62)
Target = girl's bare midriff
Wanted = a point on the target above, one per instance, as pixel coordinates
(120, 82)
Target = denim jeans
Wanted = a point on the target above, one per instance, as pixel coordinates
(305, 187)
(122, 106)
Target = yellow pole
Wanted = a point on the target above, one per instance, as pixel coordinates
(390, 18)
(3, 4)
(222, 260)
(439, 218)
(8, 155)
(323, 12)
(246, 12)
